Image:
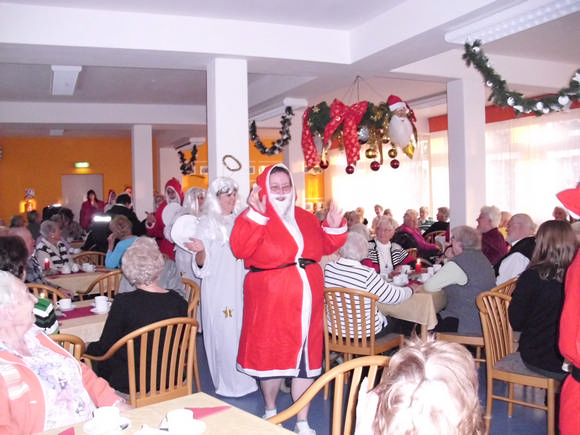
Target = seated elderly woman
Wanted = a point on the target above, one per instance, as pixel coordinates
(348, 272)
(383, 255)
(429, 387)
(142, 264)
(51, 247)
(462, 278)
(121, 230)
(409, 236)
(41, 385)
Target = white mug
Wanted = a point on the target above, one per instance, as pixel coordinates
(406, 268)
(66, 269)
(101, 303)
(65, 304)
(180, 421)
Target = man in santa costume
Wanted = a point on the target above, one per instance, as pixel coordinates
(569, 340)
(281, 246)
(154, 222)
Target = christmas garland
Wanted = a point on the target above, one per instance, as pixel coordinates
(187, 166)
(286, 122)
(502, 96)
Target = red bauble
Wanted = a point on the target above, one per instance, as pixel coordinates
(323, 164)
(375, 166)
(349, 169)
(395, 163)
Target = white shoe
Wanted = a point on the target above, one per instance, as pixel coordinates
(270, 413)
(304, 430)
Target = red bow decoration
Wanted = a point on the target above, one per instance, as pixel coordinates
(350, 117)
(311, 157)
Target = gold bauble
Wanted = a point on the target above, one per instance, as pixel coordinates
(392, 153)
(409, 150)
(371, 153)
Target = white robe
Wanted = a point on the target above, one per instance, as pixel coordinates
(222, 308)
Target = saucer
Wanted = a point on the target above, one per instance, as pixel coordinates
(72, 307)
(95, 311)
(197, 426)
(90, 427)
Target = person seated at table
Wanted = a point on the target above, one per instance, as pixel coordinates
(16, 221)
(442, 223)
(383, 254)
(379, 212)
(52, 247)
(493, 245)
(408, 236)
(352, 218)
(520, 235)
(42, 386)
(538, 298)
(142, 264)
(34, 223)
(429, 387)
(71, 229)
(425, 221)
(348, 272)
(33, 269)
(121, 232)
(462, 278)
(361, 214)
(504, 218)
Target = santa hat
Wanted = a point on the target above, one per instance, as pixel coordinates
(175, 185)
(395, 103)
(571, 199)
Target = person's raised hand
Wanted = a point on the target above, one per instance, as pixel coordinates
(195, 245)
(254, 200)
(334, 215)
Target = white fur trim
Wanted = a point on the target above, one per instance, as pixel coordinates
(397, 106)
(260, 219)
(334, 231)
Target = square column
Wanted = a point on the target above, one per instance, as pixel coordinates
(142, 158)
(466, 114)
(227, 122)
(294, 157)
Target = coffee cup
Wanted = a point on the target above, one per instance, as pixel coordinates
(65, 304)
(436, 268)
(75, 268)
(406, 268)
(180, 421)
(101, 303)
(401, 279)
(66, 269)
(107, 419)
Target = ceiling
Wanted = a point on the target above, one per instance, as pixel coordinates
(142, 56)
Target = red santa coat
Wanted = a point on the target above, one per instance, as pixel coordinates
(570, 348)
(165, 246)
(283, 306)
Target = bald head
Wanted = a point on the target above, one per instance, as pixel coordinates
(520, 226)
(26, 236)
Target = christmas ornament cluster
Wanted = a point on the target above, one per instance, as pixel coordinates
(352, 128)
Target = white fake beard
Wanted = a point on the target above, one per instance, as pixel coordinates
(400, 130)
(283, 207)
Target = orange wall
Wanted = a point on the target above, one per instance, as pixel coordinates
(39, 163)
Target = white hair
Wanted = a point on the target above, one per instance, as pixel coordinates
(213, 224)
(355, 247)
(191, 201)
(493, 213)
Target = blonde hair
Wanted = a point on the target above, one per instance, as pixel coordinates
(430, 387)
(121, 226)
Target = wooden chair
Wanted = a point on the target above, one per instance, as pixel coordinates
(172, 360)
(413, 252)
(504, 364)
(350, 370)
(475, 340)
(46, 291)
(71, 343)
(351, 331)
(507, 288)
(193, 292)
(95, 258)
(430, 237)
(107, 284)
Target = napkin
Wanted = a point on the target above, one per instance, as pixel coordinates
(199, 413)
(69, 431)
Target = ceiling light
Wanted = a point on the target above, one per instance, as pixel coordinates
(64, 79)
(523, 16)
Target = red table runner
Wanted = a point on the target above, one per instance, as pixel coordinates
(77, 312)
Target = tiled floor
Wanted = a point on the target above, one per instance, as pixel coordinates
(525, 420)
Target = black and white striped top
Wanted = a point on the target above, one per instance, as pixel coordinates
(351, 274)
(398, 255)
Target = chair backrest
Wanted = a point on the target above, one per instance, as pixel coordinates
(46, 291)
(430, 237)
(71, 343)
(192, 292)
(160, 360)
(95, 258)
(350, 320)
(507, 288)
(107, 284)
(413, 252)
(353, 370)
(498, 334)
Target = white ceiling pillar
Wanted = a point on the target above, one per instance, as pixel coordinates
(466, 130)
(227, 122)
(142, 158)
(294, 158)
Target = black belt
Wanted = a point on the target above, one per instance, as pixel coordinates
(576, 373)
(302, 262)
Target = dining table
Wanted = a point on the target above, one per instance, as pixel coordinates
(77, 282)
(421, 308)
(220, 417)
(82, 322)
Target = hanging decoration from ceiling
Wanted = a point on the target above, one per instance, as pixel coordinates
(502, 96)
(187, 167)
(286, 122)
(363, 124)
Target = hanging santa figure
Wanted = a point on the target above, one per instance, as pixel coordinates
(402, 129)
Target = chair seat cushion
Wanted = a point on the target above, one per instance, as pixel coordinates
(513, 363)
